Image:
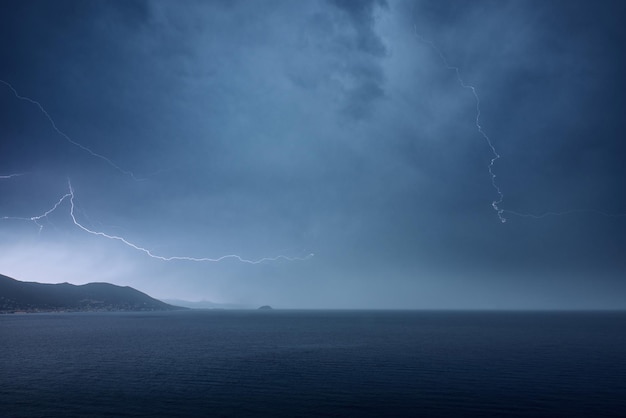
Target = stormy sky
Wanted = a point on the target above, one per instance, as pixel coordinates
(335, 128)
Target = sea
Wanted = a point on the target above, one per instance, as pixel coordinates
(317, 363)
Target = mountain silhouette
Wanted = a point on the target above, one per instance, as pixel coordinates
(17, 296)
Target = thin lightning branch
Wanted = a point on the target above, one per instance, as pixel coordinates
(567, 212)
(64, 135)
(496, 203)
(172, 258)
(37, 218)
(10, 176)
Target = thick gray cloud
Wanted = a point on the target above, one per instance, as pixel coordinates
(326, 127)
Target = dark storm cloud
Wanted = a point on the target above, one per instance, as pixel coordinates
(344, 37)
(361, 15)
(265, 128)
(368, 75)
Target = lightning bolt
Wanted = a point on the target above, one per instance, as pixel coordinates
(10, 176)
(566, 212)
(38, 218)
(170, 258)
(497, 202)
(66, 136)
(70, 195)
(495, 156)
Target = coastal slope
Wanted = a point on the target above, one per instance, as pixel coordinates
(17, 296)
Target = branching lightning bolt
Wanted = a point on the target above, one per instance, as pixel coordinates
(70, 195)
(63, 134)
(170, 258)
(496, 203)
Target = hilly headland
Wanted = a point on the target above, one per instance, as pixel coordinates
(17, 296)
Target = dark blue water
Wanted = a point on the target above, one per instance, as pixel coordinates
(313, 363)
